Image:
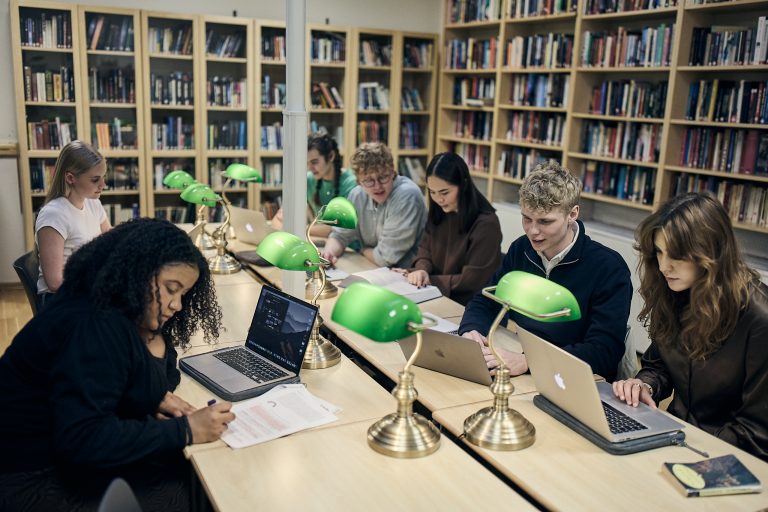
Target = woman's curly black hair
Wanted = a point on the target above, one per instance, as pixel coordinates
(116, 270)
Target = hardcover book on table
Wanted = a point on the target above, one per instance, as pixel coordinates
(712, 477)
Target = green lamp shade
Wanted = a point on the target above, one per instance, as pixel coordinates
(375, 312)
(242, 172)
(341, 212)
(178, 179)
(200, 194)
(527, 293)
(288, 252)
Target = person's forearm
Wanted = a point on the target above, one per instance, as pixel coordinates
(368, 253)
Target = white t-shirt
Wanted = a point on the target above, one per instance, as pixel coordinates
(76, 226)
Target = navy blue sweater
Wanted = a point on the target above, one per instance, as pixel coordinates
(599, 279)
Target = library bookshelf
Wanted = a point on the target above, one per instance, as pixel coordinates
(567, 80)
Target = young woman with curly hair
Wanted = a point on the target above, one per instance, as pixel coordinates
(707, 315)
(86, 387)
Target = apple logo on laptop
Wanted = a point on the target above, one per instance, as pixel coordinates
(559, 381)
(249, 228)
(440, 353)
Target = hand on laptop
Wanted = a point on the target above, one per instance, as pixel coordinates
(210, 422)
(633, 391)
(476, 336)
(516, 362)
(174, 407)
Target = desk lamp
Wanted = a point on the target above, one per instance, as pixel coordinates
(338, 212)
(289, 252)
(384, 316)
(180, 180)
(221, 262)
(498, 427)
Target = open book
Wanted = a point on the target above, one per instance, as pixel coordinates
(395, 282)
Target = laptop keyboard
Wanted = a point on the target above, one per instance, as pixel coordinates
(250, 365)
(620, 423)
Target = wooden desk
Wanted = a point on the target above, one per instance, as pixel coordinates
(238, 303)
(334, 469)
(564, 471)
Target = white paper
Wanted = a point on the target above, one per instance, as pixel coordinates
(334, 274)
(444, 325)
(396, 282)
(280, 411)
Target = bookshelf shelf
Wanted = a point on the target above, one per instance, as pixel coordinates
(329, 111)
(645, 14)
(741, 68)
(226, 60)
(418, 70)
(43, 153)
(612, 200)
(527, 108)
(413, 152)
(625, 69)
(750, 227)
(111, 53)
(383, 69)
(271, 153)
(447, 106)
(586, 156)
(121, 193)
(508, 179)
(278, 63)
(731, 6)
(472, 25)
(47, 50)
(171, 107)
(227, 153)
(50, 104)
(329, 65)
(568, 16)
(479, 174)
(535, 70)
(484, 71)
(217, 108)
(170, 56)
(173, 153)
(95, 104)
(526, 144)
(718, 124)
(119, 153)
(415, 113)
(271, 189)
(603, 117)
(727, 175)
(451, 138)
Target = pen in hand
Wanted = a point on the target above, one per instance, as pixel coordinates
(211, 402)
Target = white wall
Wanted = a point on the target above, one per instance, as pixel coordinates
(410, 15)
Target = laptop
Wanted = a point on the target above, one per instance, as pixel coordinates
(446, 353)
(272, 354)
(568, 383)
(250, 226)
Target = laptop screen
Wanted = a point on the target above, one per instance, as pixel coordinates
(281, 327)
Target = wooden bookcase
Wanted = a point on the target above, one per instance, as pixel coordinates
(652, 172)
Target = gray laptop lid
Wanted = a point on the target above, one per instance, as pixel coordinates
(453, 355)
(569, 383)
(250, 225)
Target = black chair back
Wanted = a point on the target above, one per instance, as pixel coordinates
(27, 268)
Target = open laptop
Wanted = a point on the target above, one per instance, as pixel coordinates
(446, 353)
(568, 382)
(272, 354)
(250, 225)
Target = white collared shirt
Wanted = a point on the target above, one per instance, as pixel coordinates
(550, 264)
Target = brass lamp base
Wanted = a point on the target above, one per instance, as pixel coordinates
(404, 434)
(223, 264)
(320, 353)
(313, 284)
(203, 240)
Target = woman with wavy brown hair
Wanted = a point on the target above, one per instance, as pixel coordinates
(707, 315)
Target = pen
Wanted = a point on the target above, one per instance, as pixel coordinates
(211, 402)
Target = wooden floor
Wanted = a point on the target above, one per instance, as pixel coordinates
(14, 313)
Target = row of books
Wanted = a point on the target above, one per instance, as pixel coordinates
(746, 204)
(528, 8)
(372, 96)
(372, 131)
(49, 85)
(41, 175)
(111, 33)
(728, 102)
(173, 133)
(47, 30)
(176, 214)
(629, 98)
(337, 132)
(417, 54)
(471, 53)
(272, 174)
(725, 150)
(476, 125)
(629, 141)
(325, 95)
(175, 40)
(221, 45)
(466, 11)
(647, 47)
(329, 48)
(519, 162)
(474, 91)
(627, 182)
(272, 137)
(539, 90)
(50, 134)
(411, 136)
(122, 174)
(269, 208)
(729, 46)
(410, 100)
(413, 168)
(478, 158)
(273, 45)
(535, 127)
(376, 52)
(226, 91)
(540, 51)
(117, 213)
(231, 134)
(174, 89)
(611, 6)
(272, 94)
(112, 85)
(116, 134)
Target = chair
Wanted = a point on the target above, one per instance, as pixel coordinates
(27, 267)
(119, 498)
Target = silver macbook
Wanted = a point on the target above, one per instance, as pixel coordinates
(250, 226)
(453, 355)
(569, 383)
(272, 354)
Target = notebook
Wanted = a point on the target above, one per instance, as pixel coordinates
(568, 384)
(446, 353)
(250, 225)
(272, 354)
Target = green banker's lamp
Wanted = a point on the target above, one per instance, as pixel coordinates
(498, 427)
(289, 252)
(180, 180)
(384, 316)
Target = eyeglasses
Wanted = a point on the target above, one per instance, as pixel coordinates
(382, 180)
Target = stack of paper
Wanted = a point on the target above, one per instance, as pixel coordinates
(280, 411)
(395, 282)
